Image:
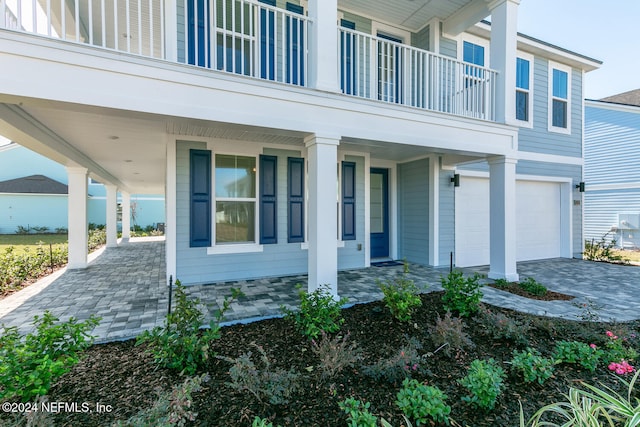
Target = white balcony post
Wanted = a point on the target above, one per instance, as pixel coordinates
(171, 210)
(112, 215)
(323, 215)
(504, 33)
(434, 210)
(126, 216)
(323, 45)
(502, 212)
(77, 217)
(171, 31)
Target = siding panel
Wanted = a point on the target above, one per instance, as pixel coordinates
(413, 212)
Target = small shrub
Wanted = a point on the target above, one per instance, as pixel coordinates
(401, 296)
(499, 326)
(574, 352)
(261, 422)
(462, 295)
(18, 267)
(400, 365)
(533, 287)
(358, 413)
(22, 230)
(617, 349)
(484, 380)
(180, 344)
(450, 330)
(602, 250)
(318, 312)
(97, 238)
(30, 365)
(171, 408)
(501, 283)
(532, 365)
(335, 353)
(267, 384)
(421, 402)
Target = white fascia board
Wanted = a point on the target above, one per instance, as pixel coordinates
(635, 109)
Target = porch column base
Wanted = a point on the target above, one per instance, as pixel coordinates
(112, 215)
(323, 221)
(77, 217)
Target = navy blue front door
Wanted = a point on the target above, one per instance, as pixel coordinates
(379, 212)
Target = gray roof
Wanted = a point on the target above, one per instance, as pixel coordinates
(36, 184)
(631, 97)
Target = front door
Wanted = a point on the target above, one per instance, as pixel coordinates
(379, 212)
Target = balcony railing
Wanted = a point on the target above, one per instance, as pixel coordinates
(377, 68)
(254, 39)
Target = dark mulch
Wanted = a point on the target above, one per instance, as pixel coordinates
(514, 288)
(123, 376)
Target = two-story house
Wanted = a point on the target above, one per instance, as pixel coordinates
(307, 136)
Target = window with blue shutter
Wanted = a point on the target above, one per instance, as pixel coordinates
(200, 198)
(348, 201)
(267, 42)
(268, 200)
(295, 46)
(295, 199)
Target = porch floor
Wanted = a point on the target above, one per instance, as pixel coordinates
(126, 286)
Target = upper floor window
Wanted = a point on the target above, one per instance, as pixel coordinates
(473, 53)
(524, 86)
(559, 98)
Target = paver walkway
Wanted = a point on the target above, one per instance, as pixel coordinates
(126, 287)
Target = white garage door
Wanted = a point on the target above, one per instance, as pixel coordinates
(538, 219)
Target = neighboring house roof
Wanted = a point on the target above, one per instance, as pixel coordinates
(631, 97)
(36, 184)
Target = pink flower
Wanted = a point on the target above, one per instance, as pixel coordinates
(612, 366)
(609, 333)
(593, 346)
(620, 371)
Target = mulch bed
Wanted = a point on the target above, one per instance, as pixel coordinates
(514, 288)
(124, 376)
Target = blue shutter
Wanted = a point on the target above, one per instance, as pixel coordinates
(200, 198)
(197, 11)
(267, 42)
(295, 199)
(295, 46)
(348, 201)
(268, 200)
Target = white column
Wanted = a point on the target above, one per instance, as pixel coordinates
(434, 35)
(170, 211)
(504, 29)
(323, 45)
(171, 31)
(434, 210)
(322, 155)
(126, 215)
(77, 217)
(502, 211)
(112, 215)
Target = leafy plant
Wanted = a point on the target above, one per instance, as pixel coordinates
(462, 294)
(617, 349)
(574, 352)
(499, 326)
(533, 287)
(400, 365)
(484, 380)
(318, 312)
(267, 384)
(450, 330)
(30, 364)
(401, 296)
(501, 283)
(358, 413)
(335, 353)
(602, 250)
(171, 408)
(17, 267)
(532, 365)
(261, 422)
(421, 402)
(180, 344)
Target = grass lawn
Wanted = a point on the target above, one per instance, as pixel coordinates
(22, 241)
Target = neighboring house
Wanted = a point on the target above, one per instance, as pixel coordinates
(612, 169)
(309, 136)
(33, 193)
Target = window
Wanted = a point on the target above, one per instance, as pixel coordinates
(559, 101)
(473, 53)
(235, 199)
(524, 84)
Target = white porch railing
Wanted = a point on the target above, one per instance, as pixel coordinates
(133, 26)
(376, 68)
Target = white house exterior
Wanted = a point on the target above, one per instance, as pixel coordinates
(307, 136)
(611, 173)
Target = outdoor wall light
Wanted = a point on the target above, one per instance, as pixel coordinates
(456, 180)
(580, 186)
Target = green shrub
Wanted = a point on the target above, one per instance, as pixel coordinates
(267, 384)
(17, 267)
(358, 413)
(402, 364)
(499, 326)
(335, 353)
(462, 295)
(533, 287)
(501, 283)
(603, 250)
(421, 402)
(401, 296)
(318, 312)
(30, 365)
(532, 365)
(574, 352)
(449, 332)
(97, 238)
(618, 349)
(180, 344)
(484, 380)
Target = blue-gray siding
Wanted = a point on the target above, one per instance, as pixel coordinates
(421, 39)
(413, 211)
(447, 217)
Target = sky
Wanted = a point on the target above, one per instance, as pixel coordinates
(607, 30)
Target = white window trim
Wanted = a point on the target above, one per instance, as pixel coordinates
(404, 35)
(477, 41)
(550, 127)
(530, 58)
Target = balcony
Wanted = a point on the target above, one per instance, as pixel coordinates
(260, 41)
